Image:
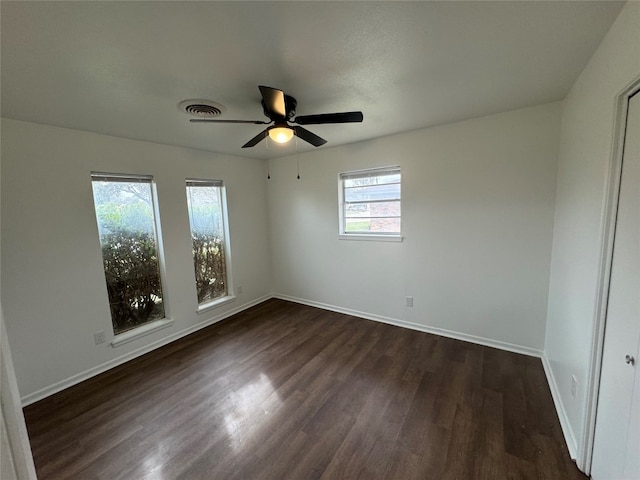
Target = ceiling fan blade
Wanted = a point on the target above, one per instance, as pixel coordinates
(308, 136)
(344, 117)
(274, 100)
(257, 139)
(211, 120)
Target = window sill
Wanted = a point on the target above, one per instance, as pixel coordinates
(370, 238)
(204, 308)
(138, 332)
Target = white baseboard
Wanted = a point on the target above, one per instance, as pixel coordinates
(569, 437)
(92, 372)
(488, 342)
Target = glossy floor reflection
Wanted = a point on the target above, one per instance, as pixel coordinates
(251, 408)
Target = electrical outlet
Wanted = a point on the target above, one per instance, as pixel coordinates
(239, 289)
(99, 337)
(409, 301)
(574, 386)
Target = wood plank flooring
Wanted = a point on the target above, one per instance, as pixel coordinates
(286, 391)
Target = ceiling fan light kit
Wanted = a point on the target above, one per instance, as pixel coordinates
(280, 108)
(280, 134)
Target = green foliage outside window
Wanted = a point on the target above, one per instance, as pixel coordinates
(210, 268)
(124, 210)
(207, 234)
(133, 278)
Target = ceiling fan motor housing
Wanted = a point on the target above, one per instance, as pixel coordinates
(290, 105)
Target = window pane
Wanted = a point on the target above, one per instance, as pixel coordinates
(371, 193)
(357, 225)
(382, 225)
(126, 224)
(371, 201)
(371, 180)
(208, 236)
(379, 209)
(372, 225)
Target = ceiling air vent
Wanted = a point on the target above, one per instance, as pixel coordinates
(201, 108)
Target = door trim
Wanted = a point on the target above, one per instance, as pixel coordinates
(607, 237)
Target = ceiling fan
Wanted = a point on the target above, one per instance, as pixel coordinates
(280, 108)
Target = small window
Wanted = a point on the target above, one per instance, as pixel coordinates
(206, 203)
(126, 214)
(370, 202)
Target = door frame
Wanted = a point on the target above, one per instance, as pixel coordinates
(607, 238)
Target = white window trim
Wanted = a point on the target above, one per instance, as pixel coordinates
(218, 302)
(373, 237)
(141, 331)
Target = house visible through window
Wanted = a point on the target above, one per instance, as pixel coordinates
(206, 203)
(126, 216)
(370, 202)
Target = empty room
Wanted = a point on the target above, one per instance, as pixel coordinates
(320, 240)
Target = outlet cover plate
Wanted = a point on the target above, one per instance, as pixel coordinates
(99, 337)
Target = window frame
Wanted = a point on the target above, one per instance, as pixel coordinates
(230, 296)
(151, 326)
(342, 203)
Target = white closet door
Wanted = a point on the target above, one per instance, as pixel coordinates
(616, 445)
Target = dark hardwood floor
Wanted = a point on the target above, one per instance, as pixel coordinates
(285, 391)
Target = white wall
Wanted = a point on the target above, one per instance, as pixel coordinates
(477, 216)
(54, 294)
(585, 156)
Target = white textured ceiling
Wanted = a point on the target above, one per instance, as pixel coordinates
(121, 68)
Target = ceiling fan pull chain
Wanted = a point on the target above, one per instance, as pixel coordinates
(297, 158)
(266, 146)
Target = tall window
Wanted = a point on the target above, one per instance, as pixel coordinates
(370, 202)
(125, 212)
(205, 199)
